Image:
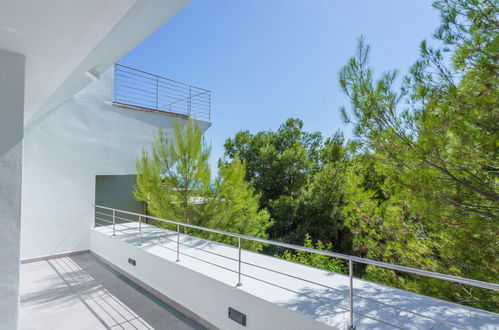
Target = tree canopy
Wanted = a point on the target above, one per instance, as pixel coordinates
(299, 177)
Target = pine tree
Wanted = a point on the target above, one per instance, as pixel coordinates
(174, 181)
(234, 206)
(174, 173)
(434, 201)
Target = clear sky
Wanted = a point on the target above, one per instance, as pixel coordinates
(268, 60)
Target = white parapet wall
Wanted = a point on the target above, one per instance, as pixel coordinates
(275, 293)
(64, 151)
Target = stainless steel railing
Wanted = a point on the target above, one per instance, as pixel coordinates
(141, 89)
(350, 259)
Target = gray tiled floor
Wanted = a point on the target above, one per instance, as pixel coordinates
(80, 292)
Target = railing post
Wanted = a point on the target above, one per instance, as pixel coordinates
(350, 275)
(190, 102)
(140, 231)
(239, 262)
(115, 77)
(178, 243)
(114, 222)
(157, 93)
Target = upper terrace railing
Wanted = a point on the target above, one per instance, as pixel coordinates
(140, 89)
(113, 215)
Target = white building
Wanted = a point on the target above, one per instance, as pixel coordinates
(71, 128)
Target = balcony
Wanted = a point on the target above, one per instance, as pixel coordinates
(146, 91)
(208, 278)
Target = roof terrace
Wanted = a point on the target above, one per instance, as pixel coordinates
(139, 89)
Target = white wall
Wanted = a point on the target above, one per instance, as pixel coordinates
(11, 147)
(64, 151)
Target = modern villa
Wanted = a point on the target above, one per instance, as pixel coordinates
(79, 252)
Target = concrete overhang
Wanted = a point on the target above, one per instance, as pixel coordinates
(63, 40)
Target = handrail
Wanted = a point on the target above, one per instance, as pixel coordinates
(416, 271)
(162, 77)
(349, 258)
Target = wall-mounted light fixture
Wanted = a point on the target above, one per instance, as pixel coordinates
(237, 316)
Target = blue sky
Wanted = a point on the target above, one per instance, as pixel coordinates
(268, 60)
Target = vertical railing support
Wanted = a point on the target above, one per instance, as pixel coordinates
(114, 222)
(140, 231)
(114, 81)
(178, 243)
(350, 275)
(190, 102)
(239, 283)
(157, 93)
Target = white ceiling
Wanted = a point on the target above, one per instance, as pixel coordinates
(63, 39)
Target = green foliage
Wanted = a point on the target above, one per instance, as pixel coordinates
(278, 163)
(386, 228)
(323, 198)
(423, 191)
(175, 172)
(316, 260)
(388, 224)
(299, 177)
(233, 206)
(174, 181)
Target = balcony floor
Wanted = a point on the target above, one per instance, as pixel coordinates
(80, 292)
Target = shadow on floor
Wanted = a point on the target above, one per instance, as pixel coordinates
(81, 292)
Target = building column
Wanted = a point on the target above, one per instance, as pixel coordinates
(11, 154)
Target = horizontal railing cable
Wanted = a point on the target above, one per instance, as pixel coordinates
(146, 90)
(154, 75)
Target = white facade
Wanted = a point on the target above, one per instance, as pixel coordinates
(84, 137)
